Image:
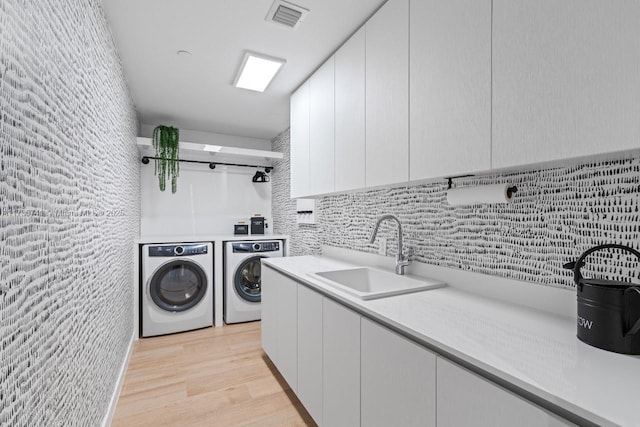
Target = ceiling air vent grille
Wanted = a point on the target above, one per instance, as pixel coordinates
(285, 13)
(287, 16)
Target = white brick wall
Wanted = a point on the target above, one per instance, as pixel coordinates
(69, 185)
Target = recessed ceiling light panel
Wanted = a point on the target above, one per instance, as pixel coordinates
(257, 71)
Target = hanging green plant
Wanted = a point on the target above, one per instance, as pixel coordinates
(167, 162)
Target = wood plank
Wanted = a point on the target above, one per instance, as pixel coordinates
(208, 377)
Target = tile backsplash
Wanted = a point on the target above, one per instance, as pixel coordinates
(556, 215)
(69, 212)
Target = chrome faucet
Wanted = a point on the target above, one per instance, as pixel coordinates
(401, 260)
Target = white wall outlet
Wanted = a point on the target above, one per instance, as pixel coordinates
(382, 246)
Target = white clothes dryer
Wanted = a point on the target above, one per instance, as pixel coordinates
(177, 288)
(242, 277)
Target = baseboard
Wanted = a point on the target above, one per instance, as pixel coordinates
(108, 418)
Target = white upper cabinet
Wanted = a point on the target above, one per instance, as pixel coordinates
(321, 125)
(387, 95)
(466, 86)
(450, 97)
(350, 124)
(299, 141)
(566, 79)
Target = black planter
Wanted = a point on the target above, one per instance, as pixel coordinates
(608, 311)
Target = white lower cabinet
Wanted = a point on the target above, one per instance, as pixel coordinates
(269, 302)
(466, 399)
(351, 371)
(398, 379)
(310, 351)
(287, 342)
(340, 365)
(280, 323)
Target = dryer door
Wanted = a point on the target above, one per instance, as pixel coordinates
(178, 285)
(247, 279)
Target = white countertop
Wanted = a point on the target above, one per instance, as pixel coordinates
(532, 350)
(188, 238)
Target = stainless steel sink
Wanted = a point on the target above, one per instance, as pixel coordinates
(370, 283)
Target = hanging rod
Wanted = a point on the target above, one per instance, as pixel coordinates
(212, 165)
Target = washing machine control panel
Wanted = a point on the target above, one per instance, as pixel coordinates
(177, 250)
(250, 247)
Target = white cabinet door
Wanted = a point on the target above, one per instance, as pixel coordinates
(566, 80)
(341, 365)
(321, 125)
(287, 330)
(269, 306)
(387, 94)
(450, 97)
(350, 124)
(398, 379)
(466, 399)
(279, 323)
(299, 142)
(310, 351)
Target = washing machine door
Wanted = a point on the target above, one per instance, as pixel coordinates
(247, 279)
(178, 285)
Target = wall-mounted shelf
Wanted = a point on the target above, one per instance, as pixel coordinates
(215, 153)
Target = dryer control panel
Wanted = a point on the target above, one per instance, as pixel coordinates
(177, 250)
(251, 247)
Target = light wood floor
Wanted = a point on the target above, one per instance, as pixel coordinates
(208, 377)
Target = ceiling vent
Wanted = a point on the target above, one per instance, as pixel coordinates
(288, 14)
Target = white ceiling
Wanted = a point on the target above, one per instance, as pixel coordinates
(196, 92)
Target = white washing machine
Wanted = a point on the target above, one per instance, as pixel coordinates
(242, 274)
(177, 288)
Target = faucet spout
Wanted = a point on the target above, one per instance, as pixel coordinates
(401, 260)
(377, 226)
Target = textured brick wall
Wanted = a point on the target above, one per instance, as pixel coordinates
(69, 181)
(557, 214)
